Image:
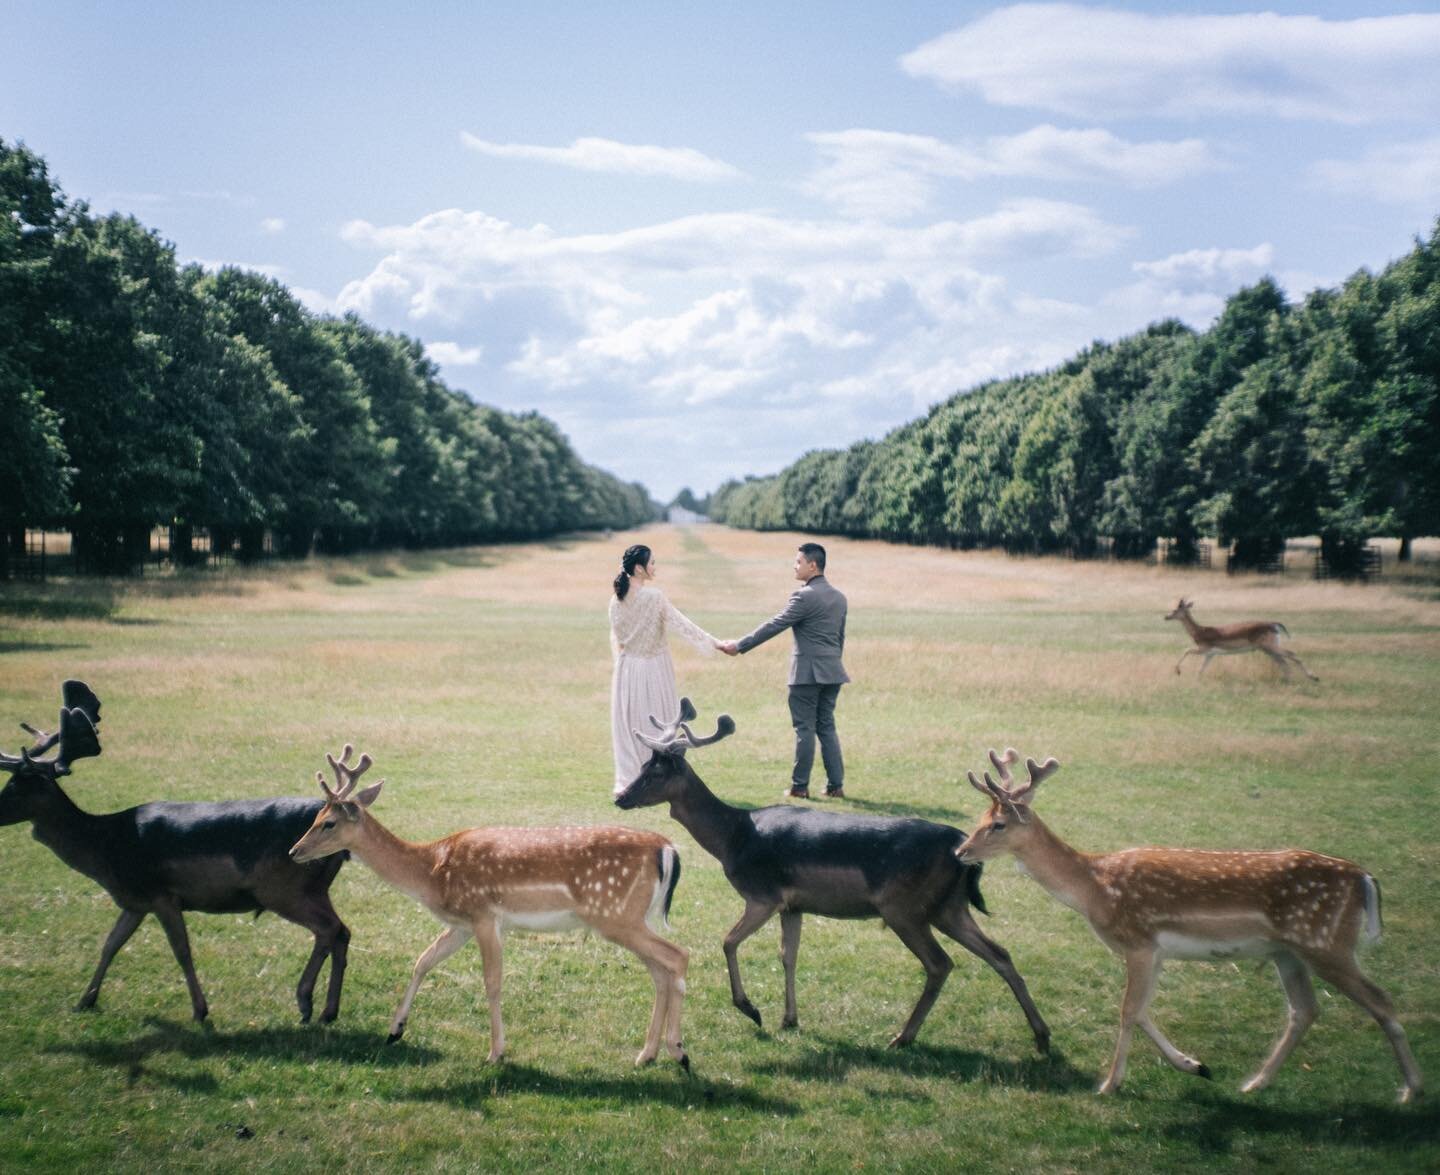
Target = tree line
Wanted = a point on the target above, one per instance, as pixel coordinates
(136, 392)
(1280, 420)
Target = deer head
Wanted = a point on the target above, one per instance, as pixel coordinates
(339, 822)
(1181, 609)
(1009, 815)
(32, 778)
(665, 775)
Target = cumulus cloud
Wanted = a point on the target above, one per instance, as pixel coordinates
(1191, 286)
(453, 354)
(1103, 62)
(272, 225)
(606, 155)
(1396, 173)
(884, 174)
(788, 332)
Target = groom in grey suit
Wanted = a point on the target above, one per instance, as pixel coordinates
(815, 617)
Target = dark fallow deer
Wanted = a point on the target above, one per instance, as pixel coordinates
(1250, 636)
(483, 882)
(1303, 911)
(796, 861)
(166, 858)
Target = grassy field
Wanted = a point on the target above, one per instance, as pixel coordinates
(479, 681)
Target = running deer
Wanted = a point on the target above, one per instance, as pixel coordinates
(1248, 637)
(1303, 911)
(166, 858)
(796, 861)
(482, 882)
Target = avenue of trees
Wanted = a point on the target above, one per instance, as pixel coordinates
(1278, 421)
(136, 393)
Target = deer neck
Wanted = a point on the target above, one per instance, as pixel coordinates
(72, 835)
(711, 821)
(1064, 872)
(403, 864)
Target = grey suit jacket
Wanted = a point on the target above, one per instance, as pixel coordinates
(815, 616)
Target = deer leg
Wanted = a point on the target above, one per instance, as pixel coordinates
(1139, 986)
(790, 922)
(119, 935)
(1346, 975)
(1205, 664)
(174, 923)
(1279, 658)
(667, 964)
(755, 916)
(1186, 653)
(487, 936)
(1300, 663)
(1182, 1061)
(937, 966)
(961, 926)
(437, 952)
(1300, 994)
(332, 938)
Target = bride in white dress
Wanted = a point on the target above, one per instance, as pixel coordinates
(644, 680)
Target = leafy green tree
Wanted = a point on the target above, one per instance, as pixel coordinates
(37, 482)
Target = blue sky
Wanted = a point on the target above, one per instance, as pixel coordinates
(706, 238)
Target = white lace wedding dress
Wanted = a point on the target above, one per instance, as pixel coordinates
(644, 677)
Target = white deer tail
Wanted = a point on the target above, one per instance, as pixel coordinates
(657, 917)
(1371, 931)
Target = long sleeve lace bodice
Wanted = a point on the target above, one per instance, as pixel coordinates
(640, 623)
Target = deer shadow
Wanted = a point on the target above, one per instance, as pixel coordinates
(298, 1043)
(677, 1089)
(835, 1059)
(1221, 1120)
(932, 812)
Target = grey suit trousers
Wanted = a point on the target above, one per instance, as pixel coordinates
(812, 713)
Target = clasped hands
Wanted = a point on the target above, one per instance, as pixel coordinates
(729, 648)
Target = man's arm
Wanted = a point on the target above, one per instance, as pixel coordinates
(794, 612)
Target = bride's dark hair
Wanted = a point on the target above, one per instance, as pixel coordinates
(636, 556)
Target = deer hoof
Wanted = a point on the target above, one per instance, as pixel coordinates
(790, 1022)
(750, 1010)
(201, 1012)
(328, 1015)
(396, 1035)
(685, 1062)
(1202, 1070)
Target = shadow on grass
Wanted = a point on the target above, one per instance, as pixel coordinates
(896, 808)
(36, 647)
(89, 605)
(664, 1083)
(298, 1043)
(830, 1059)
(1219, 1121)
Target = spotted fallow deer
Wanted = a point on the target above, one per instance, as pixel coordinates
(482, 882)
(1303, 911)
(1250, 636)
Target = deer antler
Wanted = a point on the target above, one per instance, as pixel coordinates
(724, 726)
(346, 775)
(666, 740)
(1004, 792)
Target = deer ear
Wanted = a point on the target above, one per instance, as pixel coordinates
(367, 795)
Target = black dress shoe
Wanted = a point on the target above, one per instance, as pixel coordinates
(835, 793)
(797, 793)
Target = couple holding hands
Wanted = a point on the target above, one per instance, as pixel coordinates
(641, 619)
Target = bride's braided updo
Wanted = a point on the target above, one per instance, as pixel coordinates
(636, 556)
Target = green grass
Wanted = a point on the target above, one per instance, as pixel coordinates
(479, 682)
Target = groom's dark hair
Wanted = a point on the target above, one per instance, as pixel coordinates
(815, 553)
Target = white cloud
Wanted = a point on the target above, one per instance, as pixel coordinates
(606, 155)
(779, 333)
(453, 354)
(1103, 62)
(884, 174)
(1396, 173)
(1228, 265)
(272, 225)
